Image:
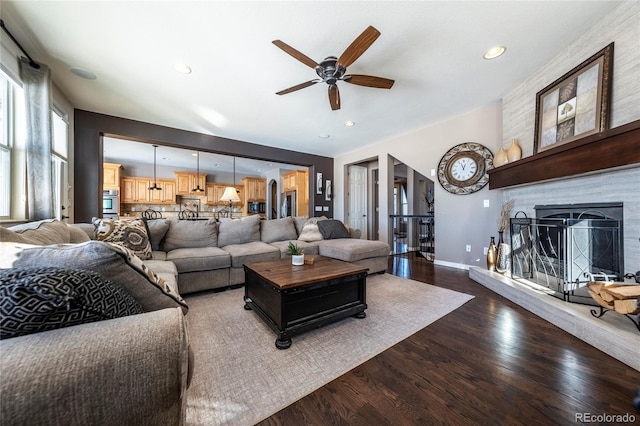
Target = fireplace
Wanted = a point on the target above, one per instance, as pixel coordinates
(567, 245)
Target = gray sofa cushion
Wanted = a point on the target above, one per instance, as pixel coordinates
(41, 299)
(157, 230)
(332, 229)
(190, 234)
(256, 251)
(113, 262)
(352, 250)
(307, 248)
(42, 232)
(239, 231)
(277, 230)
(77, 234)
(165, 270)
(199, 259)
(299, 222)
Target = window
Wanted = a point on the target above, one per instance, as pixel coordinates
(13, 153)
(59, 144)
(12, 126)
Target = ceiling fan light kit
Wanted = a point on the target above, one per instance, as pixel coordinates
(333, 69)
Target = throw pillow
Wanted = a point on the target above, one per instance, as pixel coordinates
(333, 229)
(41, 299)
(131, 234)
(239, 231)
(112, 261)
(277, 230)
(299, 222)
(310, 231)
(190, 234)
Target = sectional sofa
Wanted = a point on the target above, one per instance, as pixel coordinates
(140, 364)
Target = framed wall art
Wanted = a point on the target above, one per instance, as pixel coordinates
(575, 105)
(327, 190)
(318, 183)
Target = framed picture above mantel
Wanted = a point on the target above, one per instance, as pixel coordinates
(575, 105)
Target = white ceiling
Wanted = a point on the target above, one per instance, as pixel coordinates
(433, 50)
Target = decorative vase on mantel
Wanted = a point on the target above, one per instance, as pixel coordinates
(501, 158)
(514, 153)
(492, 254)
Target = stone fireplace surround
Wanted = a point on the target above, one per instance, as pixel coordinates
(613, 334)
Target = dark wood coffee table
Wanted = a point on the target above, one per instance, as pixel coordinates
(292, 299)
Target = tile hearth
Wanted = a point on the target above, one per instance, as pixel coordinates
(613, 333)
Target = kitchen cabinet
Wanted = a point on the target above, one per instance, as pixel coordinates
(255, 189)
(186, 181)
(216, 190)
(136, 190)
(298, 180)
(166, 196)
(111, 176)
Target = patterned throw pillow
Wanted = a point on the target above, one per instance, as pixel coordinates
(131, 234)
(40, 299)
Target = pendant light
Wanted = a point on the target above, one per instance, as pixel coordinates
(197, 188)
(155, 186)
(230, 192)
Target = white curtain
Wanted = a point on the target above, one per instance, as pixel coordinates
(37, 90)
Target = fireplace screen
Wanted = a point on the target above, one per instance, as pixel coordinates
(564, 253)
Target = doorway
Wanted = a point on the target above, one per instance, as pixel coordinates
(272, 202)
(357, 212)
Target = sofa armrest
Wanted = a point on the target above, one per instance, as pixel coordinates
(126, 371)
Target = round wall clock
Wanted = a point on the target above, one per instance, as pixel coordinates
(464, 169)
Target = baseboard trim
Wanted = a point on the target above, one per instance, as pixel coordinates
(451, 264)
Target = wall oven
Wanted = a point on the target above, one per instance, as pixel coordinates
(111, 203)
(256, 207)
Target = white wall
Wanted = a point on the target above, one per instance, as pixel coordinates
(460, 219)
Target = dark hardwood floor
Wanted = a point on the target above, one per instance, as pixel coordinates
(488, 362)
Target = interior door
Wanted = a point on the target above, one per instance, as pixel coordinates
(358, 199)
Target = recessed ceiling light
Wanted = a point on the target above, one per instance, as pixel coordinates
(80, 72)
(184, 69)
(194, 154)
(494, 52)
(324, 136)
(349, 123)
(166, 158)
(217, 165)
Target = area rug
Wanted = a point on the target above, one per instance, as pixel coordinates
(241, 378)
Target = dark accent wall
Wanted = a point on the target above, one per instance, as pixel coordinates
(90, 127)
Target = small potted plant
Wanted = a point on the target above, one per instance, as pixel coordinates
(297, 256)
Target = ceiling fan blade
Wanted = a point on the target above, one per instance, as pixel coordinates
(334, 97)
(359, 46)
(298, 87)
(296, 54)
(369, 81)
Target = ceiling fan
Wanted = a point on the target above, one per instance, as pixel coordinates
(332, 69)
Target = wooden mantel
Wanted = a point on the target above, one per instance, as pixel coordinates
(612, 148)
